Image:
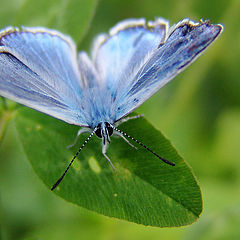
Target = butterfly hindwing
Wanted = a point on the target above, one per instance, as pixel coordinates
(118, 55)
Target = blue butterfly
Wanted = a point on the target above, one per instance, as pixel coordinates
(40, 68)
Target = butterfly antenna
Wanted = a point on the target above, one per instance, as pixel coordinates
(141, 144)
(69, 165)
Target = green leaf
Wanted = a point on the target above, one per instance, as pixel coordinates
(69, 16)
(144, 190)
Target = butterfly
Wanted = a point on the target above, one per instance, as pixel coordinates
(40, 68)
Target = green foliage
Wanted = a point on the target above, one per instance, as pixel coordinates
(68, 16)
(144, 190)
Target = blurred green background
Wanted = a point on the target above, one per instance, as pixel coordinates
(199, 112)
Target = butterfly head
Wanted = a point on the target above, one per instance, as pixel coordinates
(104, 130)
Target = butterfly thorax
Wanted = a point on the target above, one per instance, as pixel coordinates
(98, 105)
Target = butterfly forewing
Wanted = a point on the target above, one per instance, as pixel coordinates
(39, 69)
(184, 44)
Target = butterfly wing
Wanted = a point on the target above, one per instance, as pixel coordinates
(38, 68)
(185, 42)
(120, 53)
(138, 59)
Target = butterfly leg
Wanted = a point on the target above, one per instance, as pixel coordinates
(80, 131)
(104, 150)
(120, 135)
(128, 118)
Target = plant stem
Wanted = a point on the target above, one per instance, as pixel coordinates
(5, 118)
(4, 104)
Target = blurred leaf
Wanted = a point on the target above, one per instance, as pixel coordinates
(144, 190)
(8, 10)
(75, 16)
(69, 16)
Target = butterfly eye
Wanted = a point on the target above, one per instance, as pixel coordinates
(98, 132)
(109, 129)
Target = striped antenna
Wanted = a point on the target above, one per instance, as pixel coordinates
(141, 144)
(69, 165)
